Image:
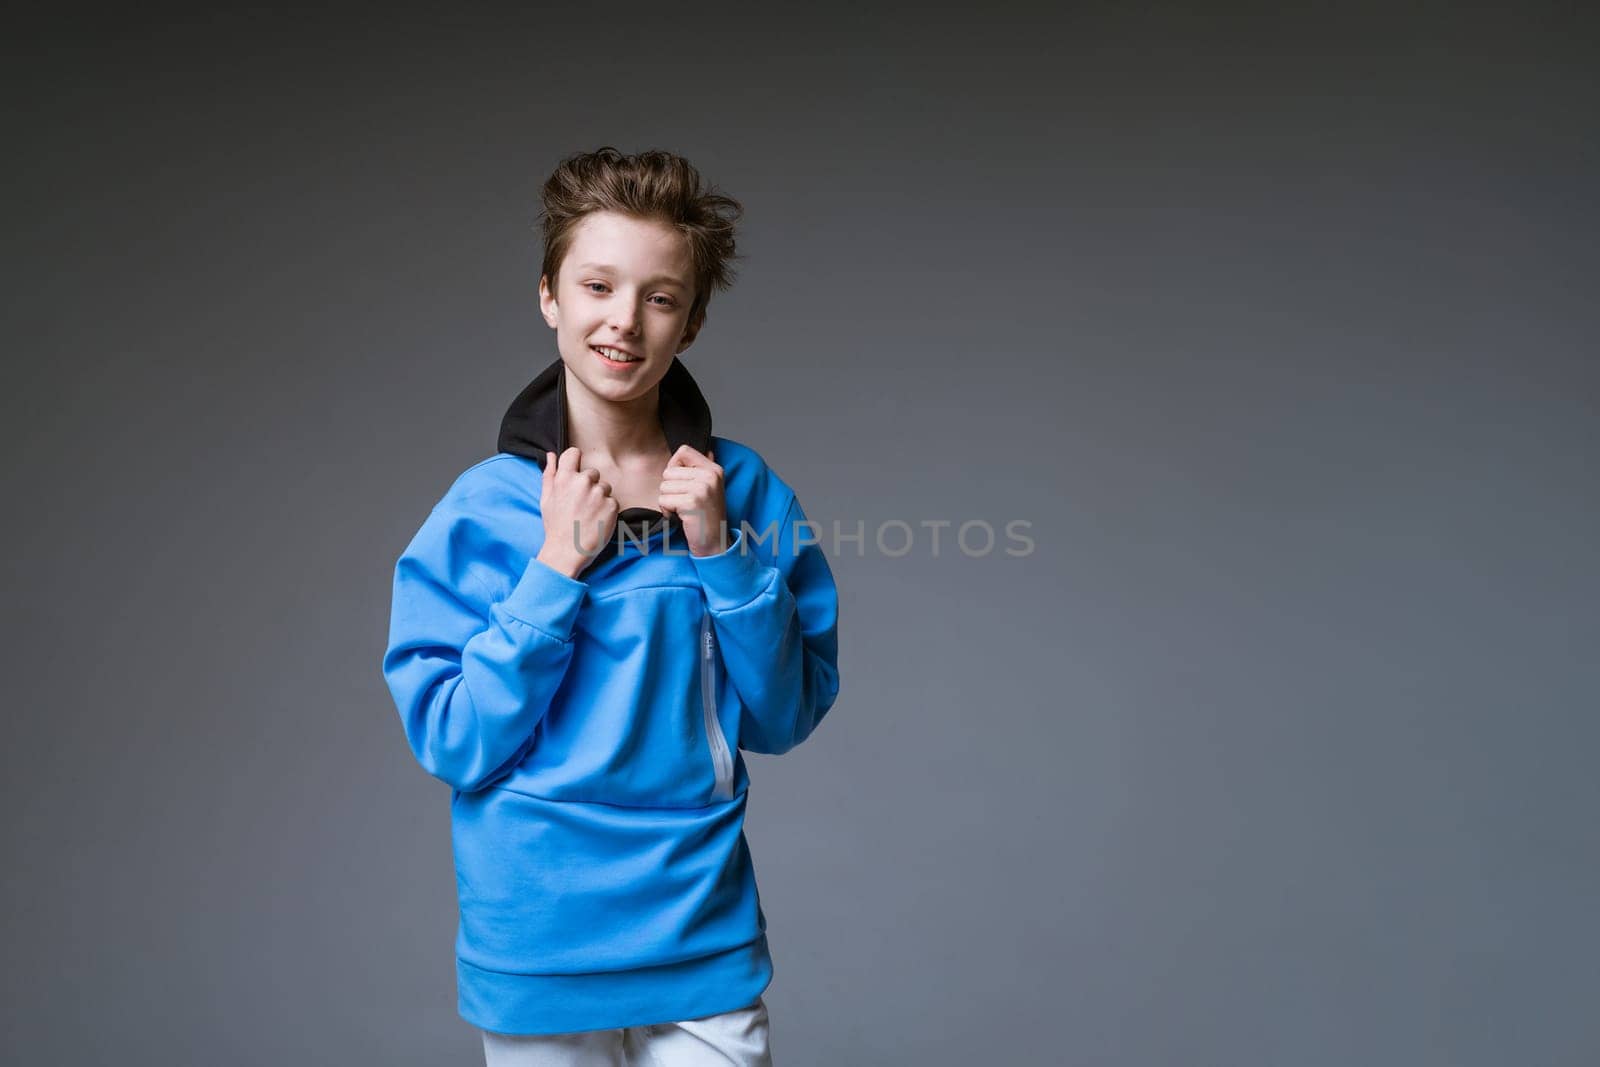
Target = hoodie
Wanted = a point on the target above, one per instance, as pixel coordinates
(591, 729)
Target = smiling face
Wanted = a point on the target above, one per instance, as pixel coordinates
(625, 286)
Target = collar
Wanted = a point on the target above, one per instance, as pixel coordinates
(536, 423)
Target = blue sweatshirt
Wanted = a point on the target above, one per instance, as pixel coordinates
(591, 728)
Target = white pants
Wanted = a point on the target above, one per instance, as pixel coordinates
(738, 1038)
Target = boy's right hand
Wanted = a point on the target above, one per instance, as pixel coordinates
(569, 495)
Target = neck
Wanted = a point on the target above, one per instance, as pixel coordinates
(613, 430)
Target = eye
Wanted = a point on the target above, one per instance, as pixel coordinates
(666, 301)
(590, 285)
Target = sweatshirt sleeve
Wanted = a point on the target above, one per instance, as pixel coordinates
(778, 625)
(471, 678)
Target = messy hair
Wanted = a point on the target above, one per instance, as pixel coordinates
(655, 185)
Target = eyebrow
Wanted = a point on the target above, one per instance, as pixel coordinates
(664, 279)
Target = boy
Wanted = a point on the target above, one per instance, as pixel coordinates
(586, 631)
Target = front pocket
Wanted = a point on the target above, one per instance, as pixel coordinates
(567, 887)
(721, 757)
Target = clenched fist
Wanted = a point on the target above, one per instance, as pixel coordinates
(691, 486)
(580, 514)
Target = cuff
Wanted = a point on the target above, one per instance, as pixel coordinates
(546, 599)
(732, 578)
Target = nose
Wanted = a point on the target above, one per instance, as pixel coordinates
(624, 317)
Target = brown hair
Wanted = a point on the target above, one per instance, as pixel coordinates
(653, 185)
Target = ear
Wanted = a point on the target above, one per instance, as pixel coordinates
(692, 330)
(547, 302)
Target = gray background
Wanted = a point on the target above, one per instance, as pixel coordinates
(1277, 326)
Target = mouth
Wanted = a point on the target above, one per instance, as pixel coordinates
(616, 357)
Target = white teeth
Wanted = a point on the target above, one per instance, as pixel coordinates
(613, 354)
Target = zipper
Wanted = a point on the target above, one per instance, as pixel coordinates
(721, 760)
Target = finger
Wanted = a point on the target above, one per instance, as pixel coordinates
(604, 488)
(569, 459)
(592, 474)
(687, 456)
(692, 460)
(549, 468)
(685, 476)
(678, 492)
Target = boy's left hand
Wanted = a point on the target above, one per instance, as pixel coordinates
(691, 486)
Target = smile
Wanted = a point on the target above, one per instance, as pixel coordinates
(614, 357)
